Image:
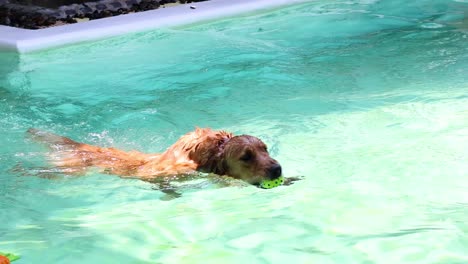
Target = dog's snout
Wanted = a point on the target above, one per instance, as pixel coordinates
(274, 172)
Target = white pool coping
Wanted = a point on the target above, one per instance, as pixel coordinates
(25, 40)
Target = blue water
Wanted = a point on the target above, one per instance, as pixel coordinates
(366, 100)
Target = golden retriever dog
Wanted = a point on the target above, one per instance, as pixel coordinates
(203, 150)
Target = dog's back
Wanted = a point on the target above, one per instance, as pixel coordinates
(76, 156)
(188, 154)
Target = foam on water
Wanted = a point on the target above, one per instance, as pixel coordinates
(365, 100)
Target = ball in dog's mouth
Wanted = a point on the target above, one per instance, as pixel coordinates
(268, 184)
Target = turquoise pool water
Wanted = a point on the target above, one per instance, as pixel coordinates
(366, 100)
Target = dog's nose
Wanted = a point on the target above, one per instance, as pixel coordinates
(274, 172)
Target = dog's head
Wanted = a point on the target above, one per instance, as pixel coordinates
(247, 158)
(243, 157)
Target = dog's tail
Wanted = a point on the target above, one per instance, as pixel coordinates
(53, 141)
(74, 156)
(64, 153)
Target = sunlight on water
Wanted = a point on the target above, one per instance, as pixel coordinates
(366, 101)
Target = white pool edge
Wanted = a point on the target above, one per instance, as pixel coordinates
(25, 40)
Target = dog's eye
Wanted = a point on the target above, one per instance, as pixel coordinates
(247, 156)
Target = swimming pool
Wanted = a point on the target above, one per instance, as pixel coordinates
(367, 100)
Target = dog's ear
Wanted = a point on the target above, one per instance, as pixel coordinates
(213, 160)
(220, 166)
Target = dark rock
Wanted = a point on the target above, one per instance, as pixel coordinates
(50, 21)
(122, 11)
(131, 2)
(4, 12)
(116, 5)
(70, 20)
(145, 6)
(94, 15)
(5, 21)
(28, 24)
(101, 6)
(39, 20)
(135, 7)
(70, 12)
(106, 13)
(86, 9)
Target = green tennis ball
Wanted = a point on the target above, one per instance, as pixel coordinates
(268, 184)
